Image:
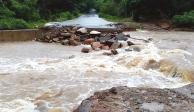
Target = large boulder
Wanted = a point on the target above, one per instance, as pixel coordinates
(125, 99)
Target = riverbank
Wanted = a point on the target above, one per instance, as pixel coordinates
(126, 99)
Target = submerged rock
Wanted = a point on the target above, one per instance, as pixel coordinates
(125, 99)
(114, 52)
(85, 50)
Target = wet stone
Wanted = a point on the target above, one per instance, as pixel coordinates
(121, 37)
(104, 39)
(96, 45)
(114, 52)
(95, 33)
(137, 49)
(116, 45)
(85, 50)
(113, 90)
(107, 53)
(66, 34)
(89, 41)
(82, 31)
(130, 43)
(105, 47)
(65, 42)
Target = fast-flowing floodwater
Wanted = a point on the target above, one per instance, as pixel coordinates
(40, 77)
(88, 20)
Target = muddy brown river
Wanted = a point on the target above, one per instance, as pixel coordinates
(40, 77)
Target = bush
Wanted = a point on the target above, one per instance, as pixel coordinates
(185, 20)
(5, 12)
(12, 23)
(25, 10)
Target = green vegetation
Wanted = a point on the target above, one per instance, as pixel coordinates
(16, 14)
(21, 14)
(185, 20)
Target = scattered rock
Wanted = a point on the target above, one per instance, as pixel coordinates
(104, 47)
(114, 52)
(82, 30)
(95, 33)
(83, 37)
(130, 43)
(108, 53)
(65, 42)
(89, 41)
(116, 45)
(104, 39)
(56, 40)
(121, 37)
(137, 49)
(74, 42)
(85, 50)
(113, 90)
(66, 34)
(110, 42)
(96, 45)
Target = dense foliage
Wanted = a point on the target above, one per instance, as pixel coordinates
(31, 13)
(185, 20)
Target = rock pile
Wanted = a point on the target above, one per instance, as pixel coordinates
(74, 36)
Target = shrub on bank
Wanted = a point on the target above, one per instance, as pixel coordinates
(185, 20)
(12, 23)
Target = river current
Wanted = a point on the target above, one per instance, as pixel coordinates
(41, 77)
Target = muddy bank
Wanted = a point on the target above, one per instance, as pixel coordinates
(125, 99)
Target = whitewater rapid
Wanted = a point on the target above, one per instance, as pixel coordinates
(42, 77)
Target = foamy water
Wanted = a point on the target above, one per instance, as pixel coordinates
(89, 21)
(39, 77)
